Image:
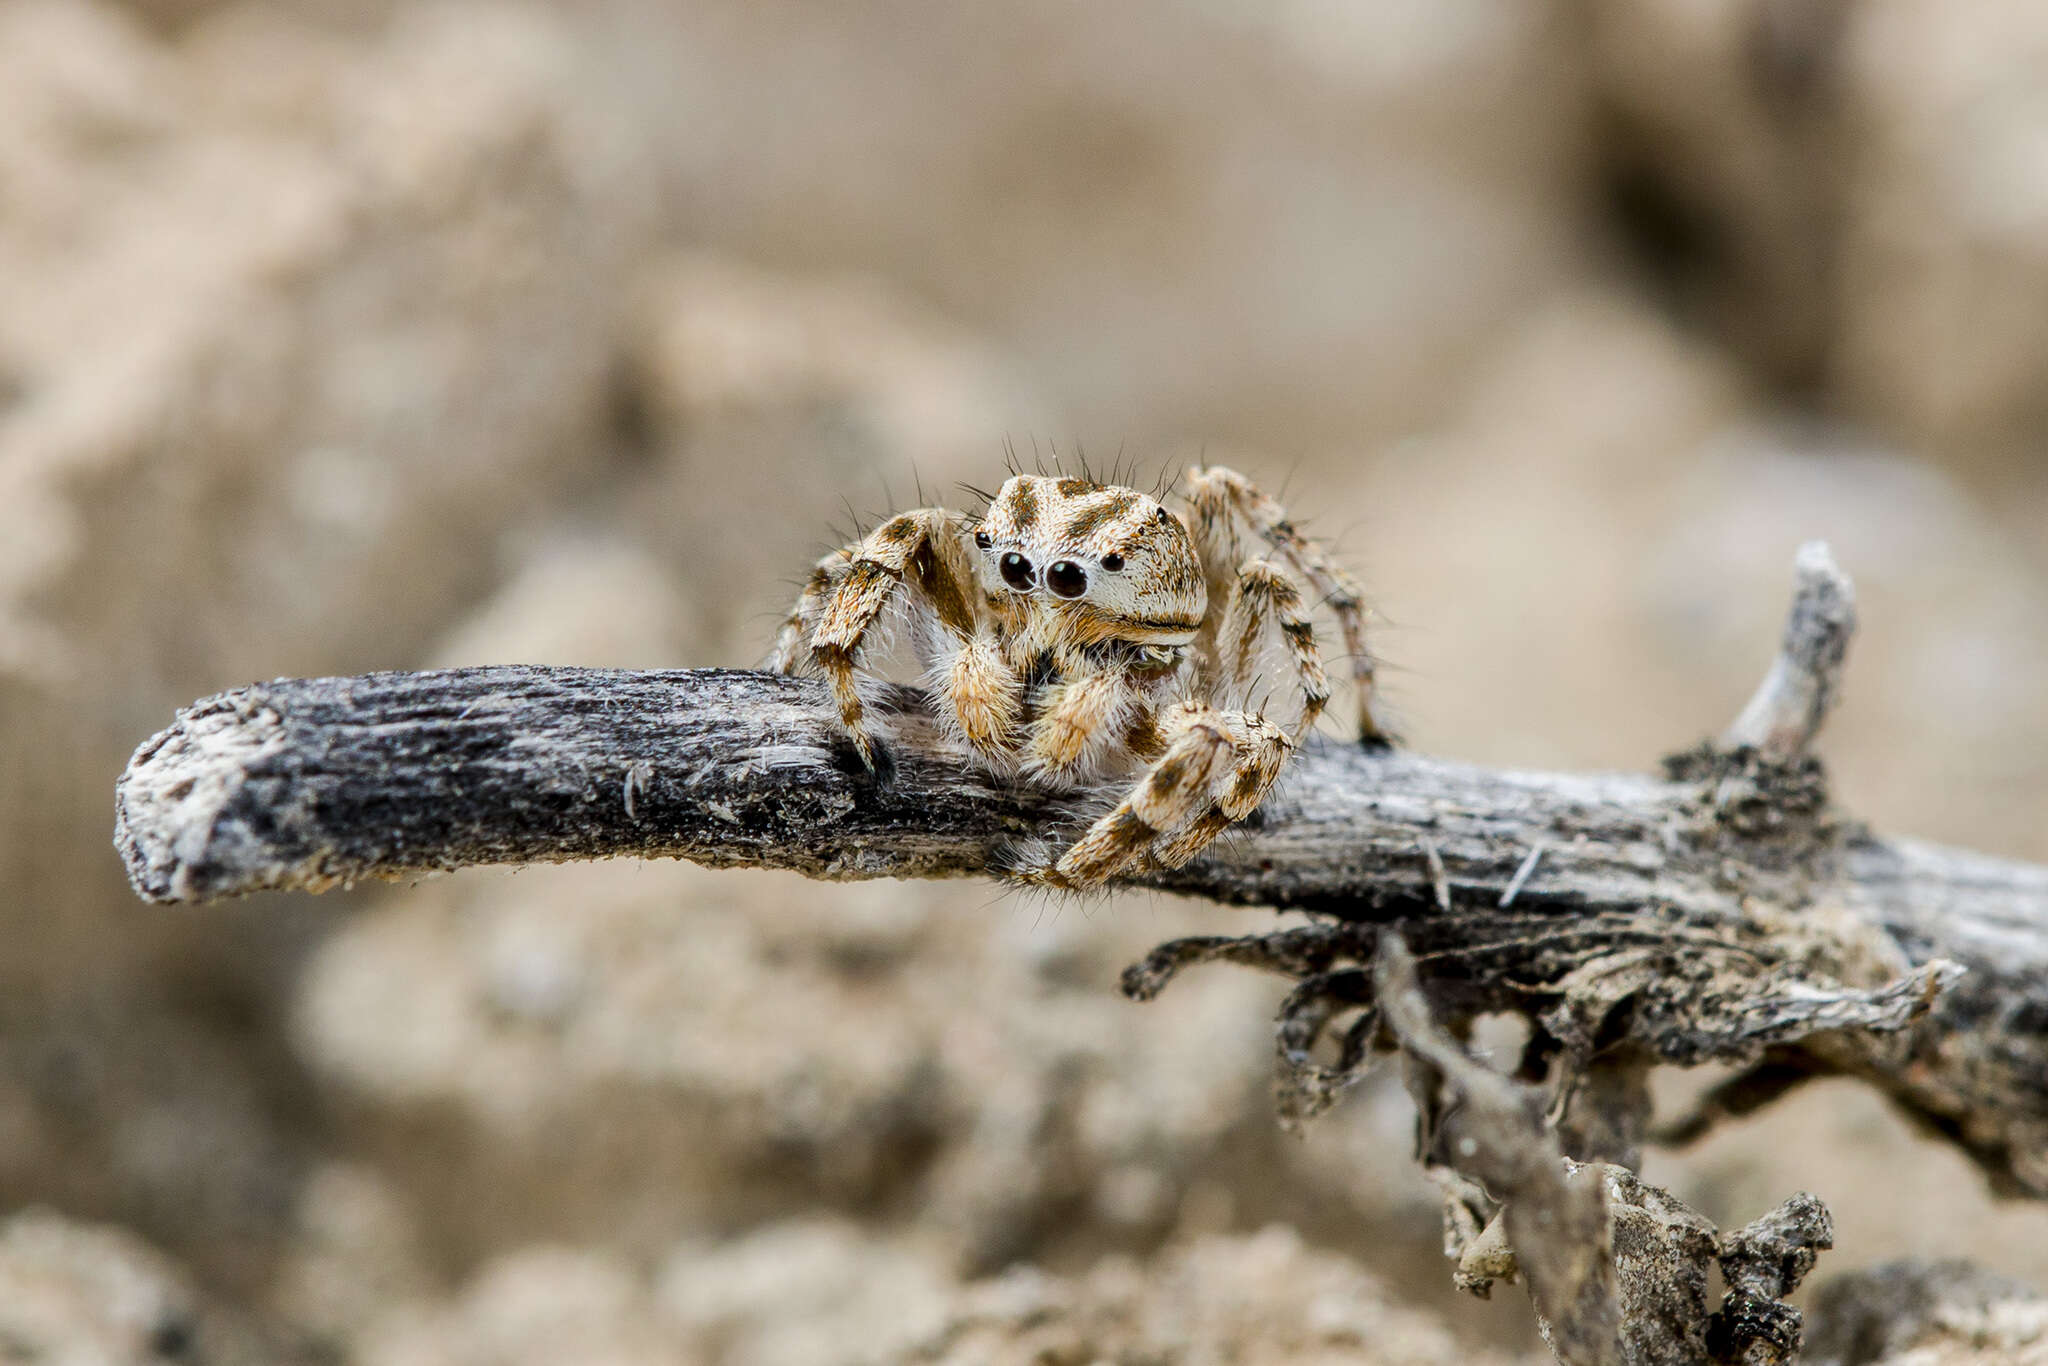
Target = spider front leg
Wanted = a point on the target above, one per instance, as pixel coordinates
(1216, 769)
(1263, 750)
(918, 550)
(1263, 598)
(793, 642)
(1228, 508)
(984, 699)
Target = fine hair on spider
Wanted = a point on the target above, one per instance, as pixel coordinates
(1076, 632)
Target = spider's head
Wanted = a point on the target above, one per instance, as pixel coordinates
(1110, 562)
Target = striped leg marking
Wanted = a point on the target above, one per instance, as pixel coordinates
(1266, 596)
(1174, 790)
(793, 642)
(1228, 506)
(1217, 768)
(917, 549)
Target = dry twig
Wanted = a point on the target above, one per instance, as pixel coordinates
(1725, 911)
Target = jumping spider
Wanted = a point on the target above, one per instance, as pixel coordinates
(1072, 635)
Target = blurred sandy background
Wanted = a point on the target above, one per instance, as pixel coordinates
(368, 335)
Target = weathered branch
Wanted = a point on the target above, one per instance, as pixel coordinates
(1493, 1132)
(1618, 1270)
(1725, 911)
(1793, 700)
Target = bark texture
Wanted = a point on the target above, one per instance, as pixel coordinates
(1723, 911)
(306, 783)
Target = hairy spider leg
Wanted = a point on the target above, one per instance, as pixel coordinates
(1228, 507)
(1262, 751)
(1083, 723)
(1264, 598)
(921, 551)
(792, 649)
(985, 696)
(1265, 602)
(1175, 789)
(1217, 768)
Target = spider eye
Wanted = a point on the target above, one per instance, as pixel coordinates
(1066, 579)
(1163, 517)
(1112, 562)
(1017, 572)
(983, 539)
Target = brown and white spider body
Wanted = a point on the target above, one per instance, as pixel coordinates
(1078, 633)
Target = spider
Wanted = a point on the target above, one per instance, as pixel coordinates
(1078, 633)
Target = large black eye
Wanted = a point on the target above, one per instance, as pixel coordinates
(1017, 572)
(1112, 562)
(1066, 579)
(983, 539)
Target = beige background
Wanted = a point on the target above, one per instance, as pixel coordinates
(339, 337)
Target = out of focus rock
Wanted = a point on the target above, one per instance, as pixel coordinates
(1264, 1297)
(85, 1295)
(1719, 148)
(1926, 1313)
(354, 1255)
(175, 17)
(530, 1307)
(627, 1065)
(790, 1294)
(1853, 195)
(163, 1123)
(803, 1291)
(822, 1291)
(1280, 223)
(786, 409)
(642, 1050)
(295, 320)
(382, 363)
(1944, 249)
(1501, 547)
(721, 339)
(580, 600)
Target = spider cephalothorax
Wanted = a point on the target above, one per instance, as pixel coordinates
(1077, 633)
